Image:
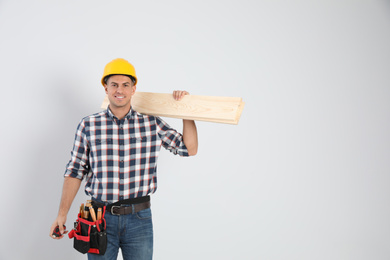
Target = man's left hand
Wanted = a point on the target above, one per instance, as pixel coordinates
(179, 94)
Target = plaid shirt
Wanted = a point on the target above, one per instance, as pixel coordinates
(118, 158)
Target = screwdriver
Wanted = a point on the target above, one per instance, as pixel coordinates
(92, 212)
(99, 214)
(82, 210)
(86, 213)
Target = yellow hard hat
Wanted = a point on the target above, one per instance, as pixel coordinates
(119, 67)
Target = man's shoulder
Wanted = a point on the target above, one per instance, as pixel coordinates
(94, 117)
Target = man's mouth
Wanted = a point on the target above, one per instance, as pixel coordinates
(120, 97)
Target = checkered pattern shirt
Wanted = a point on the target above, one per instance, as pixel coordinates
(118, 158)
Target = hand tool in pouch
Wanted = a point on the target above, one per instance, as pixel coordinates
(99, 214)
(89, 233)
(86, 213)
(82, 209)
(92, 212)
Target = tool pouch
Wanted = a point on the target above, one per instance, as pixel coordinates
(89, 236)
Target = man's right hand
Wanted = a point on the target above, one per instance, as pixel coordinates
(60, 222)
(69, 191)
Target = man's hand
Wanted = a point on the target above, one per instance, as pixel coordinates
(179, 94)
(60, 222)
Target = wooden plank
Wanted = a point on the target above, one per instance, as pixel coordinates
(225, 110)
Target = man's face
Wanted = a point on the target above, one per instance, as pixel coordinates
(119, 90)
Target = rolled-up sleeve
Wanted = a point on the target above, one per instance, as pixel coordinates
(171, 139)
(78, 166)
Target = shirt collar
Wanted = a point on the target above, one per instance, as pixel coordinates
(112, 116)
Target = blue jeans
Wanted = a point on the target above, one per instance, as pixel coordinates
(133, 233)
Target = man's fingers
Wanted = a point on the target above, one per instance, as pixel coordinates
(51, 231)
(179, 94)
(57, 234)
(62, 230)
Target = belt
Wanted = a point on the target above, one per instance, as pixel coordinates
(119, 208)
(128, 209)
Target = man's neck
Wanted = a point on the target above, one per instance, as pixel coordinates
(120, 112)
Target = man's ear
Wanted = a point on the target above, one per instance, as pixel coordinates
(133, 89)
(105, 88)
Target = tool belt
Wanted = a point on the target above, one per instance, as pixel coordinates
(89, 231)
(90, 236)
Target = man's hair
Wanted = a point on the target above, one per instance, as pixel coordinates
(108, 76)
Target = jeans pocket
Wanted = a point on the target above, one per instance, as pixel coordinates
(144, 214)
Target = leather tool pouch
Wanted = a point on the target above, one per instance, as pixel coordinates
(89, 236)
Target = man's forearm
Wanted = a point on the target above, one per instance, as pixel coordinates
(190, 136)
(69, 191)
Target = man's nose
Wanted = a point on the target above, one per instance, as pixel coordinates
(120, 89)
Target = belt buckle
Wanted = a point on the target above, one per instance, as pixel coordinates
(112, 212)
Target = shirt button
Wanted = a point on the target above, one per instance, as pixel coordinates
(122, 161)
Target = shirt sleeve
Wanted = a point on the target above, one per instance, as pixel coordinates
(78, 166)
(171, 139)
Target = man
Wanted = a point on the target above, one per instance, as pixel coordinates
(116, 152)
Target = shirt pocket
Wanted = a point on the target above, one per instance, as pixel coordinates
(102, 144)
(143, 145)
(138, 138)
(142, 137)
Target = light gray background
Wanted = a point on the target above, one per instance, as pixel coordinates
(305, 174)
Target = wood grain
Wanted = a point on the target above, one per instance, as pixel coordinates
(225, 110)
